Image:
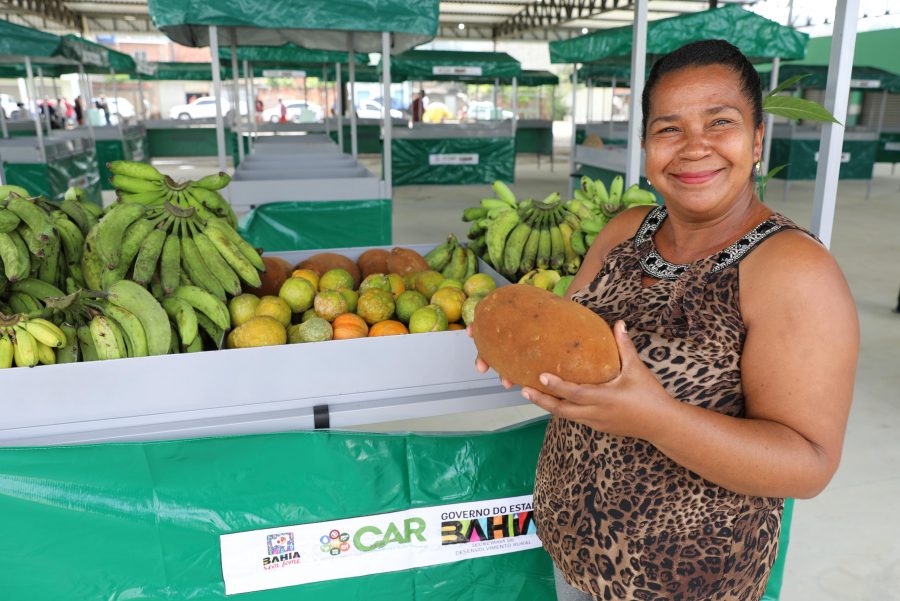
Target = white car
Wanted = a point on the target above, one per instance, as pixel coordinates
(298, 111)
(8, 104)
(118, 106)
(203, 107)
(369, 109)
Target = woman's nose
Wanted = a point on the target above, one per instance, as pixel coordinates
(695, 146)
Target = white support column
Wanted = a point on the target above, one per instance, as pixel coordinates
(770, 119)
(254, 125)
(837, 96)
(323, 86)
(515, 105)
(119, 124)
(354, 148)
(35, 115)
(45, 117)
(388, 123)
(217, 90)
(496, 91)
(589, 116)
(85, 99)
(251, 102)
(574, 130)
(638, 67)
(612, 106)
(540, 112)
(142, 111)
(339, 103)
(236, 100)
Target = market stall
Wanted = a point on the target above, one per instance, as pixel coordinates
(40, 163)
(451, 152)
(534, 135)
(368, 130)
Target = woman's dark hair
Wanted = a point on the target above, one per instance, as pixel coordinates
(699, 54)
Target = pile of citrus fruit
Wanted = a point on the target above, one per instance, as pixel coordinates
(318, 301)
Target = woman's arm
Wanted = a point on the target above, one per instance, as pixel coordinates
(798, 369)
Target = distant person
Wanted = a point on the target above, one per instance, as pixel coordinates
(104, 107)
(417, 107)
(79, 111)
(260, 107)
(20, 113)
(283, 108)
(436, 113)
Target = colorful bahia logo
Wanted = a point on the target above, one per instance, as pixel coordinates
(371, 538)
(335, 542)
(281, 551)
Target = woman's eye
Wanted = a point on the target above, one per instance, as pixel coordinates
(666, 130)
(721, 122)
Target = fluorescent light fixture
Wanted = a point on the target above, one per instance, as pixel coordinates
(461, 26)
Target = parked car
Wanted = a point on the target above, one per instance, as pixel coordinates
(203, 107)
(482, 110)
(298, 111)
(8, 104)
(370, 109)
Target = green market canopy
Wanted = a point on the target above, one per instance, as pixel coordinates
(531, 79)
(363, 74)
(604, 73)
(16, 40)
(164, 71)
(453, 65)
(309, 23)
(861, 78)
(290, 55)
(757, 37)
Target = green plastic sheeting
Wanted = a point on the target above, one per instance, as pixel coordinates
(534, 140)
(132, 148)
(799, 158)
(16, 40)
(308, 23)
(52, 179)
(531, 79)
(776, 576)
(418, 161)
(888, 147)
(85, 52)
(141, 521)
(368, 139)
(453, 65)
(282, 226)
(163, 71)
(863, 78)
(289, 55)
(872, 48)
(189, 142)
(757, 37)
(362, 73)
(601, 74)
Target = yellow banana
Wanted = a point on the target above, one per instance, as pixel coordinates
(7, 352)
(104, 339)
(25, 352)
(45, 354)
(45, 332)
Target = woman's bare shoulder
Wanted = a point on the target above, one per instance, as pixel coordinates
(621, 227)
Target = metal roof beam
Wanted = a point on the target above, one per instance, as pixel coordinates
(55, 10)
(551, 13)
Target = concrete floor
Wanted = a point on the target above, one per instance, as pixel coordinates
(844, 542)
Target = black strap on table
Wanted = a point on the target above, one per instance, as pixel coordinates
(321, 417)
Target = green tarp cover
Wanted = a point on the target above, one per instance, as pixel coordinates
(132, 148)
(142, 520)
(530, 78)
(319, 24)
(888, 148)
(757, 37)
(289, 54)
(534, 140)
(453, 161)
(16, 40)
(872, 48)
(363, 74)
(603, 74)
(54, 178)
(864, 78)
(368, 138)
(453, 65)
(282, 226)
(163, 71)
(799, 158)
(12, 71)
(85, 52)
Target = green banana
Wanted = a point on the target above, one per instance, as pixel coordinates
(111, 230)
(615, 190)
(135, 169)
(197, 270)
(439, 257)
(71, 237)
(542, 260)
(587, 185)
(234, 256)
(245, 248)
(206, 303)
(37, 288)
(476, 230)
(496, 236)
(211, 200)
(8, 221)
(504, 193)
(48, 269)
(135, 298)
(578, 242)
(216, 181)
(184, 316)
(24, 303)
(127, 183)
(148, 256)
(76, 212)
(218, 266)
(107, 341)
(215, 334)
(25, 351)
(456, 268)
(474, 214)
(572, 259)
(195, 346)
(86, 344)
(557, 249)
(170, 264)
(530, 250)
(515, 247)
(68, 353)
(490, 204)
(35, 217)
(150, 198)
(635, 196)
(92, 267)
(471, 263)
(601, 195)
(132, 329)
(131, 243)
(15, 256)
(7, 352)
(7, 189)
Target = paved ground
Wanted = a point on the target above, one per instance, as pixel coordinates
(844, 542)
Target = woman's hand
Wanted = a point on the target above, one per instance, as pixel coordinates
(483, 367)
(633, 403)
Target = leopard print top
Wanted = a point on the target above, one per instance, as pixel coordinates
(620, 519)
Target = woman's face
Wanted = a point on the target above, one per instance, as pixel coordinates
(700, 142)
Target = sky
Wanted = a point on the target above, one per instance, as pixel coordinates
(816, 17)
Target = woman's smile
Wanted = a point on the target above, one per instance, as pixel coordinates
(697, 177)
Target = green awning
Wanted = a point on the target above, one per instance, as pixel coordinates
(454, 65)
(319, 24)
(290, 55)
(203, 71)
(757, 37)
(603, 74)
(16, 40)
(861, 78)
(873, 48)
(87, 53)
(530, 78)
(363, 74)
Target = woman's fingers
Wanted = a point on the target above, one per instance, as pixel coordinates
(562, 389)
(553, 405)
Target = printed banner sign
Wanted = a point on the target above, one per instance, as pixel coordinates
(865, 83)
(282, 73)
(448, 70)
(453, 159)
(892, 145)
(845, 157)
(259, 560)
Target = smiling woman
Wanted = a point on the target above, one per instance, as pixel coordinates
(738, 363)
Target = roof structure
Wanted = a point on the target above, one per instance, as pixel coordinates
(466, 19)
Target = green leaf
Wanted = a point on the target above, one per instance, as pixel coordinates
(797, 108)
(774, 171)
(787, 84)
(764, 179)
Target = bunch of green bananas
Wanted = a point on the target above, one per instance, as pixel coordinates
(453, 260)
(165, 238)
(519, 236)
(26, 341)
(42, 239)
(595, 206)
